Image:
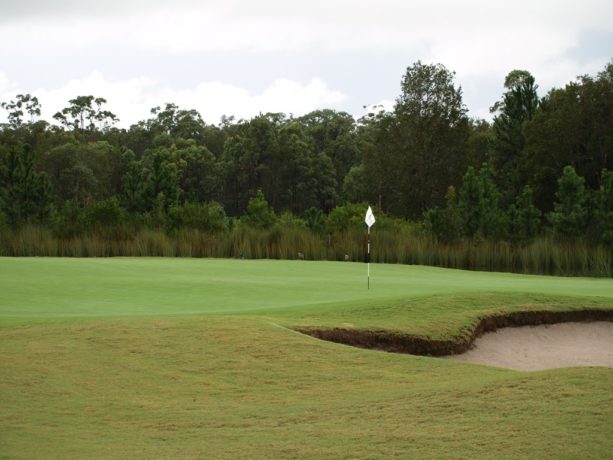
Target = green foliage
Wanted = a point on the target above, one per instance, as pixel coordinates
(355, 184)
(445, 224)
(133, 181)
(569, 217)
(478, 205)
(15, 109)
(417, 151)
(208, 217)
(603, 214)
(105, 213)
(176, 122)
(524, 218)
(315, 220)
(277, 156)
(334, 134)
(86, 113)
(571, 127)
(25, 193)
(289, 220)
(347, 217)
(259, 214)
(84, 171)
(247, 161)
(198, 175)
(68, 221)
(518, 105)
(160, 187)
(478, 143)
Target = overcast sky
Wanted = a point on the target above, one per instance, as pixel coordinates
(241, 57)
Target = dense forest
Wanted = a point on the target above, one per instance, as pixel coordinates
(530, 191)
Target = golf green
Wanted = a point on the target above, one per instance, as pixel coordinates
(94, 287)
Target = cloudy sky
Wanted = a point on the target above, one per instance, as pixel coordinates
(241, 57)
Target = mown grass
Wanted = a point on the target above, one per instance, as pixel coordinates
(56, 287)
(183, 358)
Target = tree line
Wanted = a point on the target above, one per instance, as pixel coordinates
(542, 166)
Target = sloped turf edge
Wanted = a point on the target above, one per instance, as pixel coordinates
(398, 342)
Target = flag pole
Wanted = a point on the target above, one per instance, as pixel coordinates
(368, 257)
(370, 220)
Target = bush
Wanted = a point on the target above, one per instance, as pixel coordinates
(259, 214)
(347, 217)
(106, 213)
(315, 220)
(69, 220)
(208, 217)
(290, 221)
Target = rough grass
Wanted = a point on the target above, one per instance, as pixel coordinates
(167, 358)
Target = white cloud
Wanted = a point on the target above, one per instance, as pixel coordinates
(132, 99)
(482, 40)
(331, 26)
(5, 83)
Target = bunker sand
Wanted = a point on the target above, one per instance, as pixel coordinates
(532, 348)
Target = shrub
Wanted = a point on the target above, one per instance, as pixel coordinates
(105, 213)
(347, 217)
(208, 217)
(259, 214)
(315, 220)
(69, 220)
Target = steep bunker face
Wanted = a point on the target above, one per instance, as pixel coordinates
(532, 348)
(523, 340)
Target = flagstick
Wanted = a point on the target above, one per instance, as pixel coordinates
(368, 256)
(369, 220)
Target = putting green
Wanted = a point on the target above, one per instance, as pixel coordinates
(89, 287)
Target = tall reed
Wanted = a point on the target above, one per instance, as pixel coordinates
(544, 255)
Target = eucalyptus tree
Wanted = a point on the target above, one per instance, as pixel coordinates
(85, 113)
(15, 109)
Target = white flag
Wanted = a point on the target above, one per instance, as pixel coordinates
(370, 218)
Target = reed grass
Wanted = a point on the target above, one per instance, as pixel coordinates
(544, 255)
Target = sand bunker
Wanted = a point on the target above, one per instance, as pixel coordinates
(531, 348)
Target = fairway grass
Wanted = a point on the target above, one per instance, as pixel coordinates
(196, 358)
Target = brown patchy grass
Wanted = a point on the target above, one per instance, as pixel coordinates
(242, 387)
